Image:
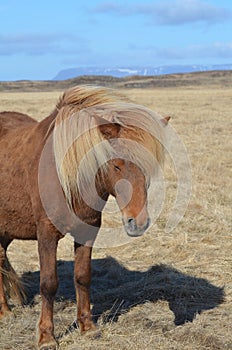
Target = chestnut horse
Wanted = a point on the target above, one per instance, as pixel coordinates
(56, 176)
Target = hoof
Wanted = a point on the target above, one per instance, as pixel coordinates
(48, 346)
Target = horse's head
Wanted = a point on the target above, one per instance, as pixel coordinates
(109, 148)
(127, 182)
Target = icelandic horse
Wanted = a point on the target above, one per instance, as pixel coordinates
(56, 176)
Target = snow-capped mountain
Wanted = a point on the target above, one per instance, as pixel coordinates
(130, 71)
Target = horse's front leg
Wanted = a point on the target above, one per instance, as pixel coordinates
(47, 245)
(82, 277)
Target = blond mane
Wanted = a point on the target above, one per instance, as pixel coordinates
(80, 149)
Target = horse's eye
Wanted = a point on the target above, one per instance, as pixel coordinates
(117, 168)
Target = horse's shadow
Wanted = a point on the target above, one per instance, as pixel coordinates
(116, 290)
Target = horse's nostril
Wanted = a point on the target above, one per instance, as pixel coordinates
(132, 223)
(132, 227)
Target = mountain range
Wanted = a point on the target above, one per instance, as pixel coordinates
(120, 72)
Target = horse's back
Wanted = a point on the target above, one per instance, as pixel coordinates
(12, 120)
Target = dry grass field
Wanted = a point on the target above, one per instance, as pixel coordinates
(166, 291)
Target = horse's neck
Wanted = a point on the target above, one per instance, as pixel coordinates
(92, 202)
(46, 125)
(51, 192)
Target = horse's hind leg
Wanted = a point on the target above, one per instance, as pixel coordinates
(3, 302)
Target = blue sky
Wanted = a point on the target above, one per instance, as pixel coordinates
(38, 39)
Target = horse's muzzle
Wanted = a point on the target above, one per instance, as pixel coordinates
(133, 229)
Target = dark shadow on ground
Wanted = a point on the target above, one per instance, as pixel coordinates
(115, 289)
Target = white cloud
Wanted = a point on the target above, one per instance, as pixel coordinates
(174, 12)
(187, 11)
(217, 50)
(112, 7)
(40, 44)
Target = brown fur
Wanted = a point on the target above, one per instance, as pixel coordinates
(22, 215)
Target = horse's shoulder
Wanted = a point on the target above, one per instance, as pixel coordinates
(12, 120)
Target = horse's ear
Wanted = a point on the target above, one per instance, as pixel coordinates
(165, 120)
(109, 130)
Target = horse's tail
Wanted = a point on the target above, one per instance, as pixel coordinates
(13, 286)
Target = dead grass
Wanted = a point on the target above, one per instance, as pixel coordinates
(161, 291)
